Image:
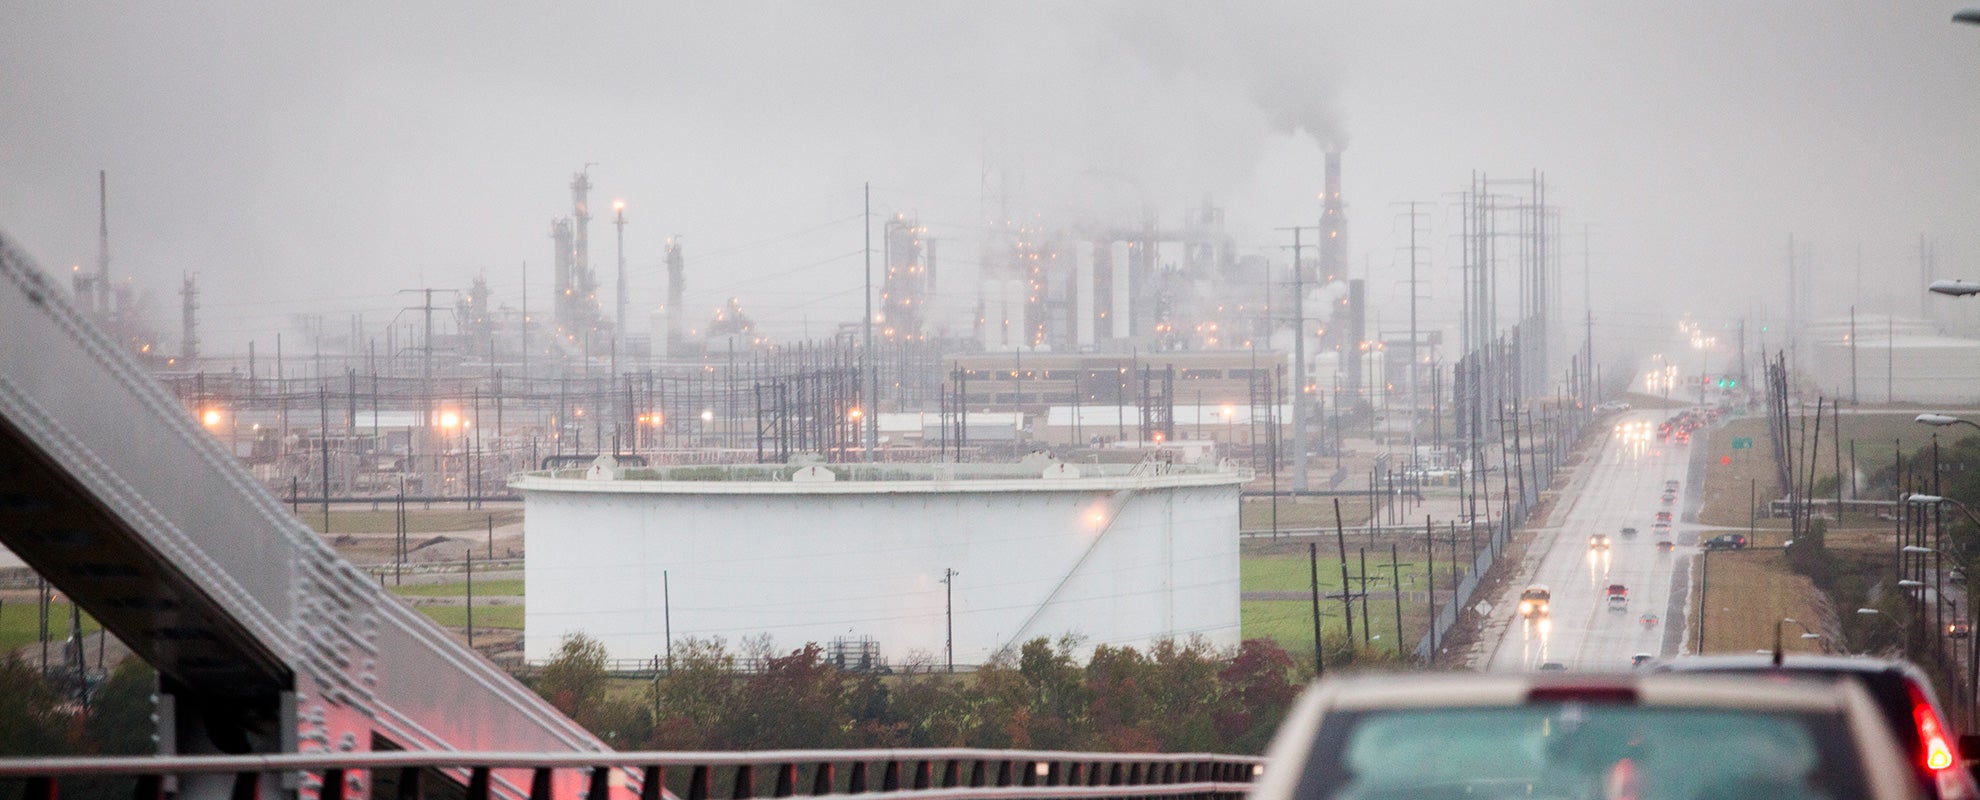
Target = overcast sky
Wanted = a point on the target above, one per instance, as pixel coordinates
(324, 159)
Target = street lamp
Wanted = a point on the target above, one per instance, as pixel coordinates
(1954, 286)
(1943, 420)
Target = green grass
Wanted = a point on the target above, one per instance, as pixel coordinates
(484, 616)
(1290, 622)
(20, 623)
(1291, 573)
(513, 586)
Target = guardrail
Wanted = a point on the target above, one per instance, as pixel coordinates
(933, 774)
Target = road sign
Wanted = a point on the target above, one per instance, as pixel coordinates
(1742, 443)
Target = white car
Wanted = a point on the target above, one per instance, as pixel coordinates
(1558, 735)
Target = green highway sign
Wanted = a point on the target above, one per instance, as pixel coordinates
(1742, 443)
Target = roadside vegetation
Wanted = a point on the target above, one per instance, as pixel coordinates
(1175, 697)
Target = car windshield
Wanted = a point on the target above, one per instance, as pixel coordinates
(1579, 750)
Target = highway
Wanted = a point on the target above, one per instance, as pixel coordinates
(1621, 487)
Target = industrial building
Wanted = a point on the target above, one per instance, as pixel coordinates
(890, 561)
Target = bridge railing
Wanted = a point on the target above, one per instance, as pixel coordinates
(930, 774)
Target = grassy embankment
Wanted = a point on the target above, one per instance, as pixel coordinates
(1750, 590)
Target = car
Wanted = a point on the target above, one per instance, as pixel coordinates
(1598, 541)
(1664, 516)
(1671, 485)
(1553, 666)
(1902, 694)
(1959, 628)
(1640, 659)
(1730, 541)
(1533, 601)
(1670, 498)
(1628, 532)
(1665, 546)
(1557, 734)
(1618, 597)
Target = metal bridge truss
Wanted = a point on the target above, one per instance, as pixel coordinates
(264, 638)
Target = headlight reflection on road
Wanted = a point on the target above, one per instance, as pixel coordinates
(1533, 644)
(1598, 566)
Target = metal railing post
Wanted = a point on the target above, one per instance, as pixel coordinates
(477, 788)
(601, 784)
(786, 780)
(697, 783)
(652, 783)
(539, 784)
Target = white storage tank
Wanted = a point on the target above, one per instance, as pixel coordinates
(1913, 367)
(1115, 554)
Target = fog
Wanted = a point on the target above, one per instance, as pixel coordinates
(322, 160)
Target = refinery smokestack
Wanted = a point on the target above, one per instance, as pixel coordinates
(1346, 323)
(1333, 223)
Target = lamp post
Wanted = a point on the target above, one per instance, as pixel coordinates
(1973, 645)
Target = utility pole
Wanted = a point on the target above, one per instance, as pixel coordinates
(525, 326)
(949, 615)
(869, 411)
(1299, 366)
(1319, 649)
(1347, 594)
(1414, 405)
(470, 597)
(619, 222)
(1588, 322)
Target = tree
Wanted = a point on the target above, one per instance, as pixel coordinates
(797, 702)
(33, 718)
(575, 682)
(119, 720)
(1259, 685)
(696, 698)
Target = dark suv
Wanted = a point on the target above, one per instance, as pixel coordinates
(1730, 541)
(1901, 692)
